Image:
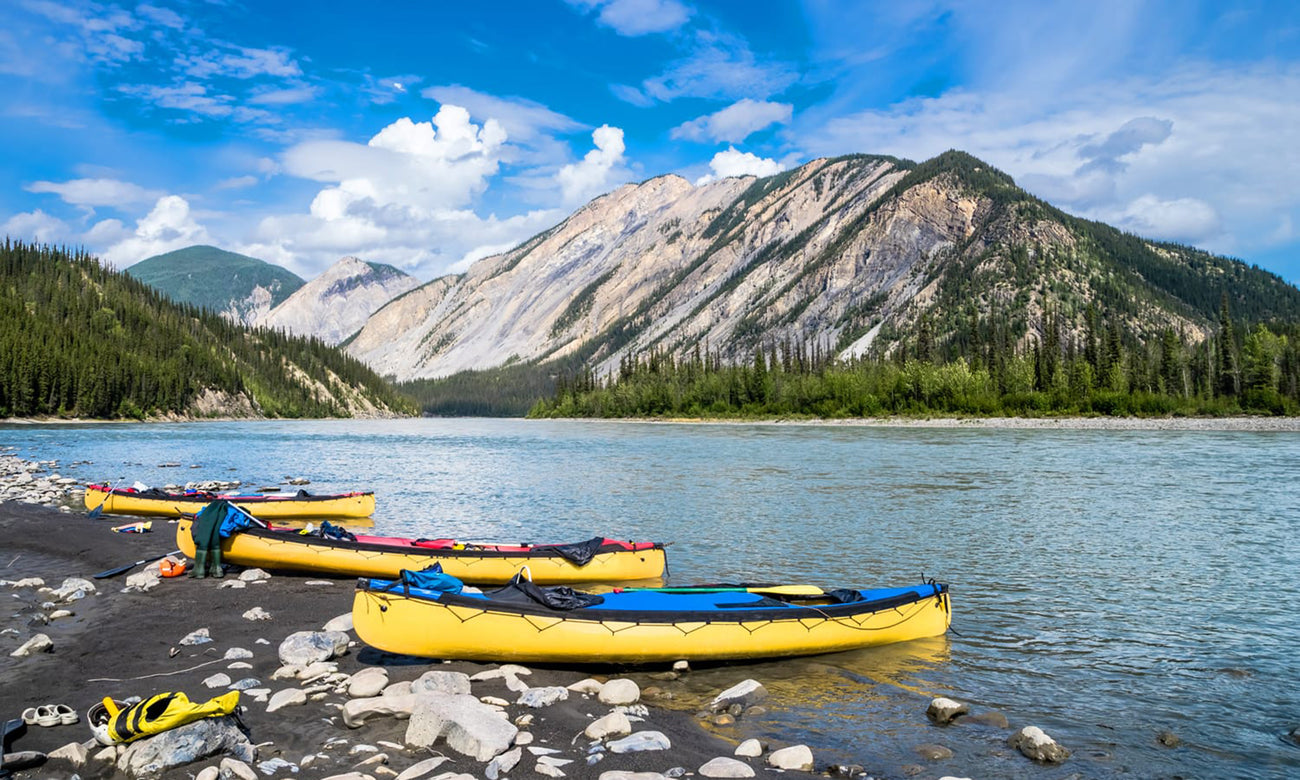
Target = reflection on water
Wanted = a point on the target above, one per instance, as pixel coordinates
(1106, 585)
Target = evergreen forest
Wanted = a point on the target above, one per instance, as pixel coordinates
(79, 340)
(1237, 370)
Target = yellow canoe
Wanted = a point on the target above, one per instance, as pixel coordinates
(386, 556)
(635, 627)
(302, 506)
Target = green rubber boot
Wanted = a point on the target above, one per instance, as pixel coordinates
(214, 561)
(200, 569)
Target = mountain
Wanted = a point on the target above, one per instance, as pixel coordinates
(79, 340)
(853, 256)
(337, 303)
(239, 287)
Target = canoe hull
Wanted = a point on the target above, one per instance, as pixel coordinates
(345, 507)
(287, 551)
(429, 629)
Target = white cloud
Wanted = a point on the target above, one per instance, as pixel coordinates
(236, 182)
(284, 96)
(734, 123)
(95, 192)
(239, 62)
(524, 120)
(192, 97)
(169, 226)
(638, 17)
(720, 67)
(1201, 154)
(36, 226)
(599, 169)
(736, 163)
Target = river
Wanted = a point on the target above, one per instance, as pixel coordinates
(1107, 585)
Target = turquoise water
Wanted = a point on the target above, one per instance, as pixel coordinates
(1107, 585)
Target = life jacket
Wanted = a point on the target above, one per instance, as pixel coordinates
(163, 712)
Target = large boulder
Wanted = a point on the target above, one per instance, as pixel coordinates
(186, 744)
(468, 725)
(743, 693)
(307, 647)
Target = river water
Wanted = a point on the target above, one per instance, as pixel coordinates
(1106, 585)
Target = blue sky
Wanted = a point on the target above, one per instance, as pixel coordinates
(430, 134)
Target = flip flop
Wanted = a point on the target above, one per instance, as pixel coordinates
(67, 715)
(30, 715)
(46, 716)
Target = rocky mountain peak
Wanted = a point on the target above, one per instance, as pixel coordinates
(337, 303)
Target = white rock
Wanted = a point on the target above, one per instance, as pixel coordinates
(441, 682)
(184, 745)
(28, 582)
(208, 773)
(469, 726)
(554, 761)
(750, 748)
(524, 738)
(416, 771)
(547, 770)
(40, 643)
(503, 763)
(289, 697)
(515, 684)
(240, 665)
(743, 693)
(273, 765)
(376, 760)
(615, 724)
(620, 691)
(620, 774)
(233, 585)
(722, 766)
(218, 680)
(246, 684)
(639, 742)
(306, 647)
(358, 711)
(197, 637)
(341, 623)
(494, 701)
(253, 575)
(542, 751)
(587, 686)
(257, 613)
(798, 757)
(1035, 744)
(143, 581)
(543, 697)
(74, 588)
(237, 654)
(368, 682)
(108, 755)
(681, 666)
(74, 753)
(398, 689)
(943, 710)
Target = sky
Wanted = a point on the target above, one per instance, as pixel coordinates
(428, 135)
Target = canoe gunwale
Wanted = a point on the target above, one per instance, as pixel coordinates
(207, 498)
(431, 552)
(795, 612)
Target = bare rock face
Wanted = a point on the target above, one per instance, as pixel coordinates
(337, 303)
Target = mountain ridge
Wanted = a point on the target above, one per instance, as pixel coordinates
(240, 287)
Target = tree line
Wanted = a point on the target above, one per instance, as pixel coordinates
(79, 340)
(1106, 371)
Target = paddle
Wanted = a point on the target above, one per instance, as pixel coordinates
(95, 513)
(130, 566)
(775, 590)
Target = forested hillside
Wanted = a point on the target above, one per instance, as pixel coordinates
(242, 288)
(77, 340)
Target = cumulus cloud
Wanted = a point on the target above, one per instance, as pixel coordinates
(95, 192)
(737, 163)
(637, 17)
(599, 169)
(734, 123)
(36, 226)
(523, 120)
(168, 226)
(1189, 220)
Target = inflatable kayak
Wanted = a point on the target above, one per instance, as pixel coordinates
(300, 506)
(527, 623)
(357, 555)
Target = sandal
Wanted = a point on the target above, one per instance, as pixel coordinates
(30, 715)
(46, 716)
(67, 715)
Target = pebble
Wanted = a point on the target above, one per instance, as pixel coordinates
(751, 748)
(217, 681)
(416, 771)
(197, 637)
(237, 654)
(619, 691)
(640, 742)
(943, 710)
(288, 697)
(722, 766)
(40, 643)
(615, 724)
(257, 613)
(542, 697)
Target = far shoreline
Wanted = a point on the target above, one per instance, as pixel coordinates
(1238, 423)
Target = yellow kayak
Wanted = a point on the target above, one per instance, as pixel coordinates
(525, 623)
(301, 506)
(599, 560)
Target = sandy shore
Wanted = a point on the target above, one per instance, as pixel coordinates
(120, 644)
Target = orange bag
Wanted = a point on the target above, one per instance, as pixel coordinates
(171, 567)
